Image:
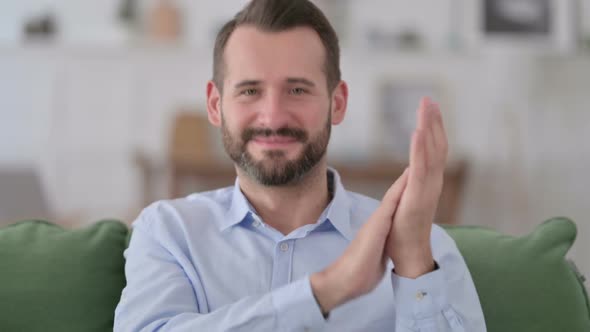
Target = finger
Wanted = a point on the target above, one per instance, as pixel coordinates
(425, 124)
(440, 135)
(394, 193)
(380, 222)
(431, 153)
(417, 156)
(421, 121)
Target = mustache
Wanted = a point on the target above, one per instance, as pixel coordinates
(298, 134)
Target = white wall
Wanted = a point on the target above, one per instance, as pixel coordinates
(80, 108)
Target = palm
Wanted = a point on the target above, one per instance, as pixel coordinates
(412, 222)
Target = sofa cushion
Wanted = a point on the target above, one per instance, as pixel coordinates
(52, 279)
(525, 283)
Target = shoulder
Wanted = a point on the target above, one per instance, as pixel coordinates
(442, 243)
(179, 217)
(361, 208)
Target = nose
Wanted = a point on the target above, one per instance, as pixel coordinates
(273, 111)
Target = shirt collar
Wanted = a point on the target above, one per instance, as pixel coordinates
(239, 208)
(337, 212)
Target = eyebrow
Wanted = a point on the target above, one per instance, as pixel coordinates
(290, 80)
(246, 83)
(300, 80)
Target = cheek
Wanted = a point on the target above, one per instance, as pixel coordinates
(235, 117)
(315, 117)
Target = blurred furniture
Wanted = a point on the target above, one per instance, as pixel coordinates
(164, 21)
(71, 280)
(22, 195)
(192, 166)
(190, 143)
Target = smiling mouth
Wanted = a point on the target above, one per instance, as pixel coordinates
(274, 141)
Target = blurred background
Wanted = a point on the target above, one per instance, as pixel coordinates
(102, 105)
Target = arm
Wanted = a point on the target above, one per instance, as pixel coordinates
(432, 285)
(160, 297)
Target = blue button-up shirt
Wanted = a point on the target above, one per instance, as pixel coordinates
(208, 262)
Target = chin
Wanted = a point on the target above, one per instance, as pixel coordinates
(274, 161)
(276, 155)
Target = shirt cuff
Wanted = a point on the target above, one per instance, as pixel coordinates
(420, 298)
(296, 307)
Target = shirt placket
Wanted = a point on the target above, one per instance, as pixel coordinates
(282, 263)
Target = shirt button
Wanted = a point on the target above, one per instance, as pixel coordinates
(420, 295)
(256, 223)
(284, 246)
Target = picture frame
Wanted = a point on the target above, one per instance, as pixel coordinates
(518, 17)
(545, 26)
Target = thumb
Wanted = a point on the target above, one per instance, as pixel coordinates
(380, 221)
(393, 195)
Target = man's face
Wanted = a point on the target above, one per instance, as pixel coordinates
(275, 108)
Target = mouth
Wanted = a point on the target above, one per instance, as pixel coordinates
(274, 142)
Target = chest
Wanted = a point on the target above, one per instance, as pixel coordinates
(252, 264)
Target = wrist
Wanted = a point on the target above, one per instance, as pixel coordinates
(327, 290)
(414, 264)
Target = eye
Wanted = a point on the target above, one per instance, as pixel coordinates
(250, 92)
(298, 91)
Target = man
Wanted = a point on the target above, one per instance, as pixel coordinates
(287, 248)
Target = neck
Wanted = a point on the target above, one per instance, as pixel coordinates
(289, 207)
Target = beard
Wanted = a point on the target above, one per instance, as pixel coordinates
(274, 169)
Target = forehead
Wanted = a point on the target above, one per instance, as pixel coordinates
(252, 53)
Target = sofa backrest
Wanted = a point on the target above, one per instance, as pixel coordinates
(54, 279)
(526, 283)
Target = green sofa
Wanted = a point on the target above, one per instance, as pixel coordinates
(53, 279)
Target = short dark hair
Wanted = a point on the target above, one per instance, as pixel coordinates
(277, 16)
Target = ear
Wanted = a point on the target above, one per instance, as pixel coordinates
(339, 102)
(213, 104)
